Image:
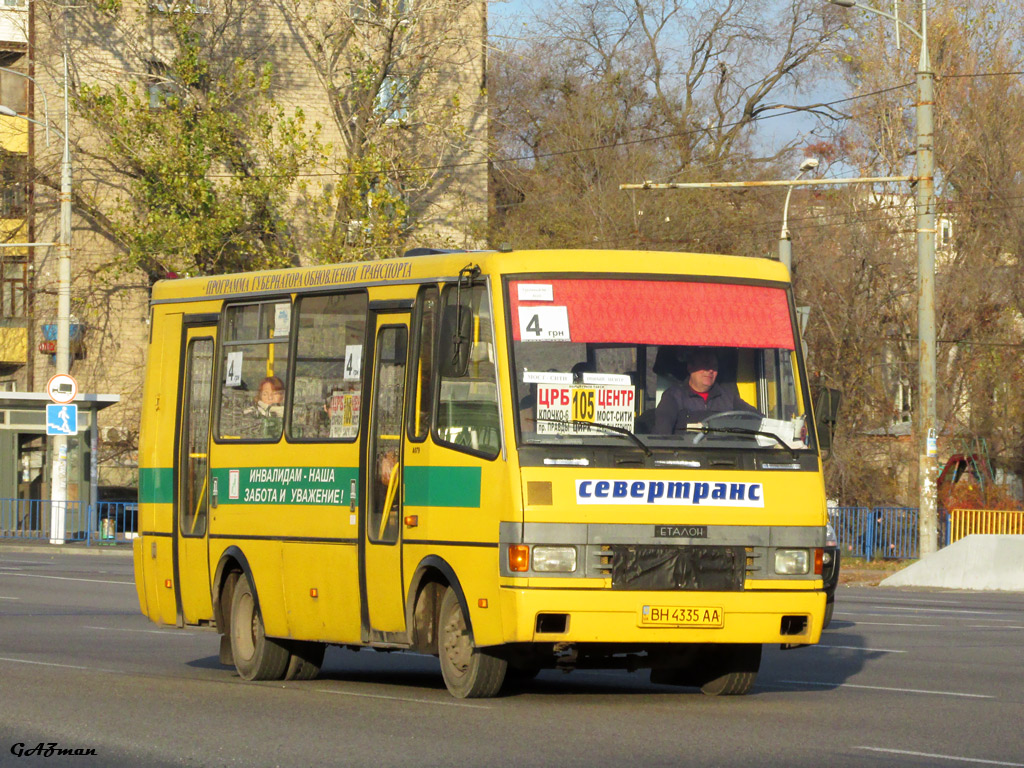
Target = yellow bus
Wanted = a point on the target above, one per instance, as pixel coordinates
(498, 458)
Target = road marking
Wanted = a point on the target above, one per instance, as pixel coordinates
(858, 648)
(895, 600)
(62, 666)
(883, 688)
(930, 610)
(893, 624)
(9, 598)
(170, 633)
(976, 760)
(63, 578)
(930, 626)
(405, 698)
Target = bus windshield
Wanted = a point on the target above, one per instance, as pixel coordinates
(679, 364)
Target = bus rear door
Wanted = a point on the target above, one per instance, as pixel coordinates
(191, 545)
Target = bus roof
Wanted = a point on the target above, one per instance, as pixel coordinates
(415, 269)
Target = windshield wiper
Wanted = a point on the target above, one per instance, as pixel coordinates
(609, 427)
(705, 429)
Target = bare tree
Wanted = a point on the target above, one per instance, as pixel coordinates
(980, 114)
(606, 92)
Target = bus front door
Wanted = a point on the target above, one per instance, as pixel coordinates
(192, 492)
(384, 601)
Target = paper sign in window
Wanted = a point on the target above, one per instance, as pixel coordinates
(233, 370)
(282, 320)
(353, 362)
(535, 292)
(544, 324)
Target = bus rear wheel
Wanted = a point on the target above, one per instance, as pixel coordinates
(468, 671)
(256, 656)
(305, 660)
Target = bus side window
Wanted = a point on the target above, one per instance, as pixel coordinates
(254, 371)
(422, 390)
(328, 367)
(467, 414)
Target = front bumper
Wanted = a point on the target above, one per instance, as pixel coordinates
(605, 616)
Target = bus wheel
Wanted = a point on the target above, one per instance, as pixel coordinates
(256, 656)
(468, 672)
(732, 669)
(305, 660)
(829, 609)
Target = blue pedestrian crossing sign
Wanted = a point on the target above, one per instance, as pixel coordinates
(61, 419)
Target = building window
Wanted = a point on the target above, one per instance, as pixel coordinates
(376, 9)
(159, 84)
(945, 232)
(13, 86)
(179, 6)
(13, 287)
(13, 185)
(392, 100)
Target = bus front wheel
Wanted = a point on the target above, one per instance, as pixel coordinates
(732, 669)
(256, 656)
(468, 671)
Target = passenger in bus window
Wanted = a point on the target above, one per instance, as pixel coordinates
(269, 407)
(698, 397)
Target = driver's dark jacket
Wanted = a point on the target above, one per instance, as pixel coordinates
(680, 406)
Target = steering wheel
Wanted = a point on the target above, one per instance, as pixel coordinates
(711, 418)
(724, 416)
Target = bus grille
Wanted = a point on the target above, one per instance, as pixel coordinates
(687, 567)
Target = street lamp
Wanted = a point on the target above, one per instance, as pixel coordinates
(926, 430)
(59, 472)
(785, 244)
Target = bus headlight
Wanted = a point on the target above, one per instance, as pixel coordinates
(554, 559)
(792, 562)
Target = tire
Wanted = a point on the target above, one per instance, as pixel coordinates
(305, 660)
(468, 672)
(733, 670)
(256, 656)
(829, 608)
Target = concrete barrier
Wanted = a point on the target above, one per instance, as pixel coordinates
(979, 561)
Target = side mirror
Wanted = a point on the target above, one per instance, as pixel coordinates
(826, 413)
(456, 340)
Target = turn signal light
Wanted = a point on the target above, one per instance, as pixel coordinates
(518, 557)
(819, 560)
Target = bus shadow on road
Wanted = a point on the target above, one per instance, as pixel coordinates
(840, 656)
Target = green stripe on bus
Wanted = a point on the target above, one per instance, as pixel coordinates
(442, 486)
(156, 485)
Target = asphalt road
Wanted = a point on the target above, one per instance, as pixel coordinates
(902, 678)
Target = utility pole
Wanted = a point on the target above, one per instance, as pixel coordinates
(927, 430)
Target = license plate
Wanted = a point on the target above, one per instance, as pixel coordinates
(672, 616)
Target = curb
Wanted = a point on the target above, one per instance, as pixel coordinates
(101, 550)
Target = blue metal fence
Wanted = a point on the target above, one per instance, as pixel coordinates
(881, 532)
(868, 532)
(106, 522)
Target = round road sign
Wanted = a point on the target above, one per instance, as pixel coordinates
(62, 388)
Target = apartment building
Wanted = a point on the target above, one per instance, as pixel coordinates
(436, 48)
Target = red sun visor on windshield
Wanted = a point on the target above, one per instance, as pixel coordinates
(650, 312)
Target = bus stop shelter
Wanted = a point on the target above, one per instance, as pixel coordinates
(26, 453)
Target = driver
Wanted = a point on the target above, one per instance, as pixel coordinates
(698, 397)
